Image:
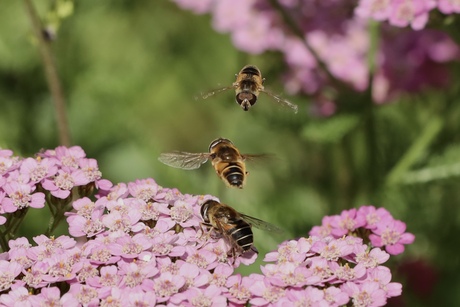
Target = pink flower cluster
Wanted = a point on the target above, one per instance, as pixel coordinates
(401, 13)
(139, 244)
(380, 228)
(341, 41)
(24, 182)
(17, 186)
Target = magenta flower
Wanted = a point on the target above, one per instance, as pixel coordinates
(392, 235)
(130, 247)
(90, 169)
(67, 157)
(52, 297)
(335, 297)
(85, 295)
(449, 6)
(238, 289)
(181, 213)
(203, 258)
(19, 196)
(321, 269)
(38, 169)
(264, 293)
(289, 274)
(382, 275)
(413, 12)
(210, 297)
(164, 286)
(135, 273)
(374, 216)
(332, 249)
(108, 277)
(309, 296)
(143, 189)
(372, 258)
(8, 272)
(293, 251)
(17, 297)
(63, 182)
(168, 244)
(124, 221)
(366, 294)
(220, 275)
(376, 9)
(346, 273)
(347, 222)
(135, 297)
(8, 164)
(5, 153)
(87, 220)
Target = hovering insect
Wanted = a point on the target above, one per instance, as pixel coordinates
(234, 226)
(248, 85)
(226, 159)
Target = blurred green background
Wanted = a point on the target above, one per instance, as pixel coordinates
(130, 71)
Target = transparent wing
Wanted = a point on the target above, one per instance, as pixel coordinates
(214, 92)
(257, 157)
(282, 101)
(262, 225)
(184, 160)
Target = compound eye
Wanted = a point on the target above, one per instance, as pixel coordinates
(204, 212)
(241, 97)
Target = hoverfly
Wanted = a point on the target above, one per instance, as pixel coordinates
(248, 85)
(234, 226)
(226, 159)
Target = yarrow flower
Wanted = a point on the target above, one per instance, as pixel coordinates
(385, 231)
(142, 244)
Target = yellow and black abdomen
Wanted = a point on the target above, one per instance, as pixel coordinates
(229, 164)
(233, 173)
(241, 234)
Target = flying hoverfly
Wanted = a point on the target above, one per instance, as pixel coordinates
(248, 85)
(226, 159)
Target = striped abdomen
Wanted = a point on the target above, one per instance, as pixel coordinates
(234, 174)
(241, 234)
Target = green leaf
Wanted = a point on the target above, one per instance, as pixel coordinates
(331, 130)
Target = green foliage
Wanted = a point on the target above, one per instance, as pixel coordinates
(331, 130)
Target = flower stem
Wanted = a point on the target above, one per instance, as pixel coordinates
(51, 74)
(417, 148)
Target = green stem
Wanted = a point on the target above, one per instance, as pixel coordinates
(416, 150)
(3, 241)
(59, 213)
(51, 74)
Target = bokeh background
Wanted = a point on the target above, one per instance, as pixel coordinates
(130, 71)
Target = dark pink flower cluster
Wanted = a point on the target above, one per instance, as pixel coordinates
(371, 224)
(341, 41)
(139, 244)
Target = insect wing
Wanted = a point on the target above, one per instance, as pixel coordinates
(262, 225)
(257, 157)
(281, 101)
(214, 92)
(184, 160)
